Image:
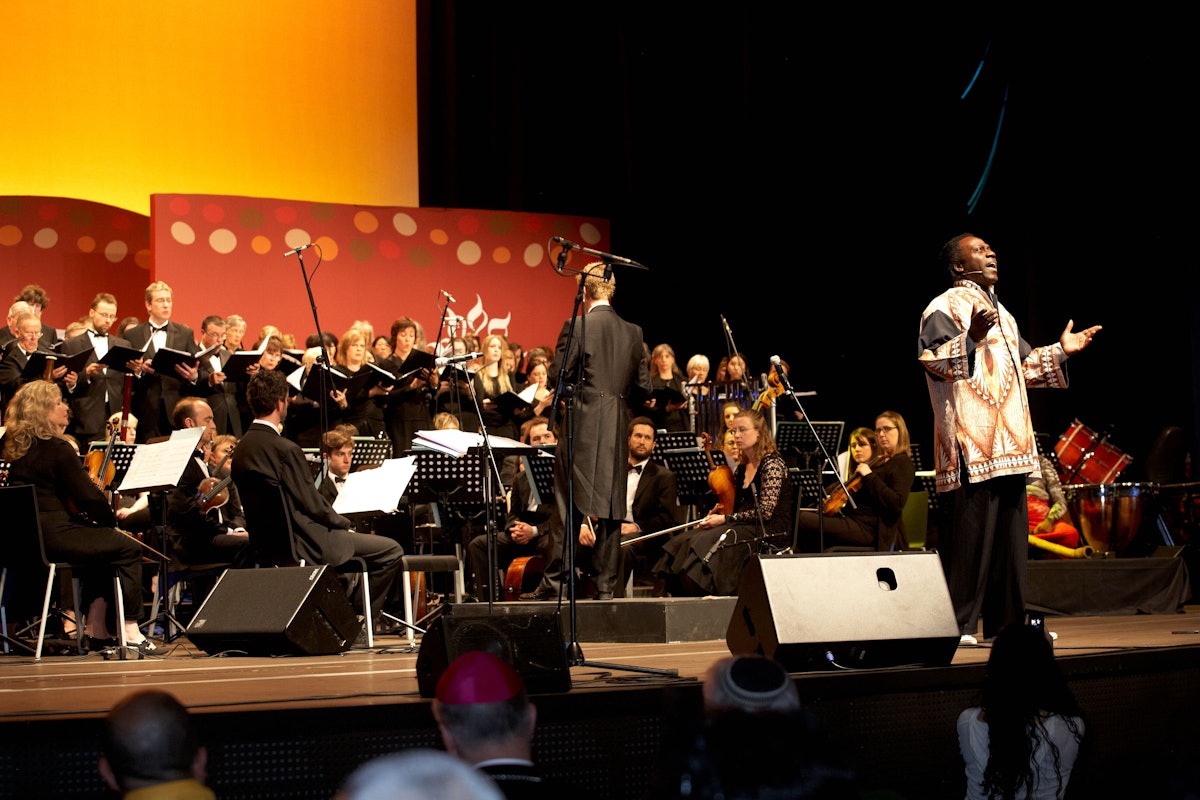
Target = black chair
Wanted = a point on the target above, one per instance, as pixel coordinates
(273, 544)
(23, 553)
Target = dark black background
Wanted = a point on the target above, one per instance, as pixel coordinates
(797, 171)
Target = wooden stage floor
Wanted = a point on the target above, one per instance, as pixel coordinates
(294, 727)
(66, 687)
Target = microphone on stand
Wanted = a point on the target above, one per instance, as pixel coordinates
(782, 373)
(447, 295)
(444, 361)
(716, 546)
(295, 250)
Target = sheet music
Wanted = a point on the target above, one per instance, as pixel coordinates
(378, 489)
(159, 465)
(455, 442)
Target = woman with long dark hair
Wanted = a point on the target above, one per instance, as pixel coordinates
(1021, 741)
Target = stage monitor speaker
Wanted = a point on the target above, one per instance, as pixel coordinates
(530, 640)
(853, 610)
(276, 611)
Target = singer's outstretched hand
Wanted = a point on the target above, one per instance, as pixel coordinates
(1073, 342)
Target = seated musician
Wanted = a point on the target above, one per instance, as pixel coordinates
(201, 530)
(337, 453)
(655, 507)
(528, 526)
(880, 486)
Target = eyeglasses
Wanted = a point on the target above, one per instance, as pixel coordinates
(885, 429)
(741, 430)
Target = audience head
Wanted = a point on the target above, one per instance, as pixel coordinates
(750, 683)
(482, 709)
(418, 774)
(148, 739)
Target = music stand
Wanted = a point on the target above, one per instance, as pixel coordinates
(541, 475)
(369, 452)
(799, 437)
(691, 468)
(810, 488)
(119, 455)
(677, 440)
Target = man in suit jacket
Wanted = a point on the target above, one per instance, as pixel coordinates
(17, 355)
(529, 529)
(99, 392)
(265, 461)
(606, 360)
(216, 387)
(655, 504)
(154, 395)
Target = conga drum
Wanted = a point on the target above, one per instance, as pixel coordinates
(1085, 458)
(1109, 515)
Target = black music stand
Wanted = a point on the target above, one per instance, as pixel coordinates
(369, 452)
(119, 455)
(691, 468)
(798, 437)
(540, 467)
(664, 442)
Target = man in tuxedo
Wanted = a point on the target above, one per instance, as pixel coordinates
(653, 505)
(155, 395)
(529, 529)
(605, 360)
(99, 391)
(200, 532)
(265, 462)
(218, 390)
(17, 355)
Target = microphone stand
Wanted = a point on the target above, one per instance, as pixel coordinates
(490, 472)
(566, 391)
(323, 358)
(787, 384)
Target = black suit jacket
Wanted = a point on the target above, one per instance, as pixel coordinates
(223, 398)
(89, 408)
(656, 501)
(608, 359)
(263, 461)
(155, 396)
(11, 368)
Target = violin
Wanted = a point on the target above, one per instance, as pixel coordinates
(214, 492)
(721, 481)
(838, 497)
(100, 466)
(767, 396)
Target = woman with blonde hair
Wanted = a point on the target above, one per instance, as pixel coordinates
(491, 381)
(78, 524)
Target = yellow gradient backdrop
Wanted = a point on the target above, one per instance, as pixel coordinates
(114, 101)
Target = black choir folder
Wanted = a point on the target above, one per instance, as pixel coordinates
(166, 358)
(239, 361)
(512, 403)
(417, 360)
(119, 355)
(334, 380)
(35, 367)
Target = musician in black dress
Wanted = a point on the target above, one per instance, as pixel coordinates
(879, 486)
(709, 560)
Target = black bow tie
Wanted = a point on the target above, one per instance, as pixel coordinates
(636, 468)
(98, 335)
(155, 328)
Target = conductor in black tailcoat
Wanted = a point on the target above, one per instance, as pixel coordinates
(607, 364)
